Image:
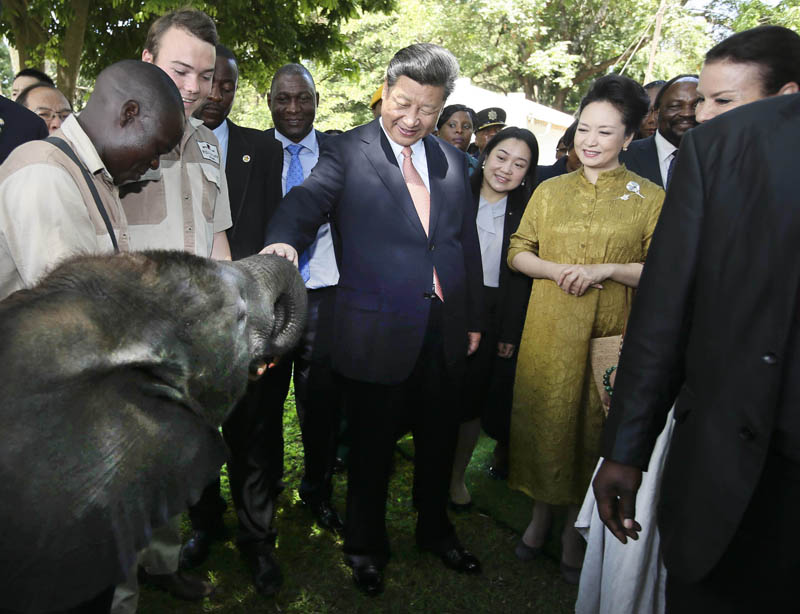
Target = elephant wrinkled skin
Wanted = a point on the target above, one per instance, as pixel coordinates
(117, 371)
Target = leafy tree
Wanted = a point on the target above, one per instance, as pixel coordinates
(738, 15)
(88, 35)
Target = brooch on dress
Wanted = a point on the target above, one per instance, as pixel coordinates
(631, 187)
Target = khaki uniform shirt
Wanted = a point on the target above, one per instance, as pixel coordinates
(47, 212)
(183, 203)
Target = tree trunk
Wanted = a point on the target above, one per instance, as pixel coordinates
(29, 35)
(71, 48)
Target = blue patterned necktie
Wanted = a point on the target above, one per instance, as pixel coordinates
(294, 176)
(671, 168)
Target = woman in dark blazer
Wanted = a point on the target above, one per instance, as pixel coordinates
(501, 187)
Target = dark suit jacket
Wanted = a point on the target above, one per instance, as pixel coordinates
(19, 126)
(558, 168)
(386, 260)
(253, 170)
(713, 312)
(514, 288)
(642, 159)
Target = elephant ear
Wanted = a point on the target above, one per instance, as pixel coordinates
(90, 464)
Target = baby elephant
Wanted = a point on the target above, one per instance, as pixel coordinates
(117, 371)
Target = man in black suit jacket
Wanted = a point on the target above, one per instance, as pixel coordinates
(408, 295)
(254, 470)
(675, 104)
(716, 323)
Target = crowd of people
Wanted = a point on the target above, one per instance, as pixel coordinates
(455, 285)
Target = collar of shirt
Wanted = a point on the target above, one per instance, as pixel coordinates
(664, 149)
(309, 141)
(83, 147)
(222, 132)
(418, 157)
(487, 212)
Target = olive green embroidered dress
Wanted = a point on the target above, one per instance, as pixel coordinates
(557, 415)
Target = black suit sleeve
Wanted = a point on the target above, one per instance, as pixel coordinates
(308, 206)
(651, 368)
(470, 244)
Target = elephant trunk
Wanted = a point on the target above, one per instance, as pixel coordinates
(279, 292)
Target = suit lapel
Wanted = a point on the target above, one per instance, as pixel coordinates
(379, 153)
(237, 171)
(437, 168)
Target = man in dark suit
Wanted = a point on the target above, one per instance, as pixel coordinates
(255, 467)
(717, 325)
(654, 156)
(408, 294)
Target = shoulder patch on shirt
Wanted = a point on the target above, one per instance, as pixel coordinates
(209, 151)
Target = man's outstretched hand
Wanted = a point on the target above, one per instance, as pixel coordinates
(615, 487)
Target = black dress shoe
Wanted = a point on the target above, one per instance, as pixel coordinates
(267, 576)
(368, 579)
(196, 549)
(179, 584)
(326, 515)
(460, 560)
(459, 508)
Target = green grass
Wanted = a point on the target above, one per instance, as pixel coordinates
(316, 581)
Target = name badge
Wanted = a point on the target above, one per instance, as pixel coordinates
(209, 151)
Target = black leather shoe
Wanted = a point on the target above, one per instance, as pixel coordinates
(326, 516)
(368, 579)
(179, 584)
(460, 560)
(267, 576)
(196, 549)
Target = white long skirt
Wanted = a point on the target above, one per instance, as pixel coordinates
(625, 578)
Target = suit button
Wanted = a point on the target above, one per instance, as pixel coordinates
(745, 434)
(432, 247)
(769, 359)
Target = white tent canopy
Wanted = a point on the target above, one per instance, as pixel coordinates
(547, 124)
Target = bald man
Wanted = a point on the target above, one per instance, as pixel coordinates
(47, 211)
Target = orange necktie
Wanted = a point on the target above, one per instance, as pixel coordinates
(422, 203)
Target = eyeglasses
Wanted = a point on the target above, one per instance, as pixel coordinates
(49, 114)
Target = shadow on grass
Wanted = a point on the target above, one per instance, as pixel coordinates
(316, 580)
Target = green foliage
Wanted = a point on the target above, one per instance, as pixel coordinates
(738, 15)
(263, 33)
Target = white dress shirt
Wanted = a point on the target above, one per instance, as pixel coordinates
(322, 259)
(222, 133)
(666, 151)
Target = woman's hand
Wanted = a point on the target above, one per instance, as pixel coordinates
(578, 278)
(505, 350)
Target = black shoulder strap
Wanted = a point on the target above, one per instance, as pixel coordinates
(62, 145)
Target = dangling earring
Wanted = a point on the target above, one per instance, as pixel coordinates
(624, 148)
(523, 182)
(483, 165)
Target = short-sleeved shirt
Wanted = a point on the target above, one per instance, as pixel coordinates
(183, 203)
(47, 211)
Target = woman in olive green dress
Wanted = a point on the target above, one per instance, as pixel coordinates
(583, 239)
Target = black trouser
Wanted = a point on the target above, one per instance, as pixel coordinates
(99, 604)
(428, 401)
(254, 433)
(758, 570)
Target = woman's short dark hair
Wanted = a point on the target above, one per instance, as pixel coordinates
(512, 132)
(451, 110)
(425, 63)
(776, 51)
(626, 95)
(195, 22)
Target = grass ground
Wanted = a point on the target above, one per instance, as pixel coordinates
(316, 581)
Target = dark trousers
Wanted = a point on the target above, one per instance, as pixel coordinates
(254, 433)
(428, 402)
(99, 604)
(758, 570)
